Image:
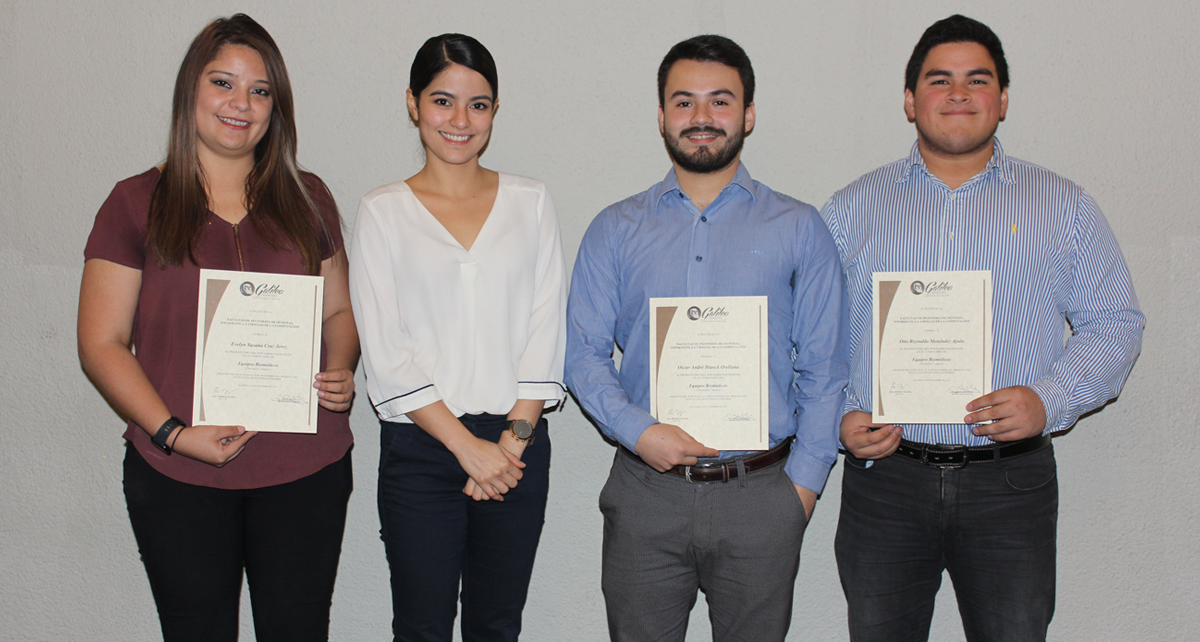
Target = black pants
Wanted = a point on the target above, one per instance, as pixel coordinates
(992, 525)
(196, 542)
(437, 537)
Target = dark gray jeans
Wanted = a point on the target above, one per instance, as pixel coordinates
(991, 525)
(664, 538)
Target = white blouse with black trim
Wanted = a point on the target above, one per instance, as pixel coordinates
(477, 329)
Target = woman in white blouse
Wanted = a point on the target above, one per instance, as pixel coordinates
(459, 291)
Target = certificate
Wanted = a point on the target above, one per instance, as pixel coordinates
(708, 369)
(258, 347)
(932, 345)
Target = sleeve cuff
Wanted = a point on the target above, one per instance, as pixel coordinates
(395, 408)
(852, 403)
(807, 471)
(1054, 400)
(550, 391)
(630, 425)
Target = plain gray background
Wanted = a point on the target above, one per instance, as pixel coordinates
(1102, 92)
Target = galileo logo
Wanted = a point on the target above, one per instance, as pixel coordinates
(260, 290)
(917, 288)
(707, 314)
(272, 290)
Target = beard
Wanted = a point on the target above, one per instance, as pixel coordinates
(709, 159)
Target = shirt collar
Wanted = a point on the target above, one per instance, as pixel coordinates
(998, 163)
(670, 184)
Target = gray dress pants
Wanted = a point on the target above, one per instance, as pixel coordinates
(665, 537)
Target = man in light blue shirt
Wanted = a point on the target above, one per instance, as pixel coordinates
(979, 498)
(679, 516)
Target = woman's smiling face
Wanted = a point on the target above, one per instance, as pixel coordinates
(454, 114)
(233, 104)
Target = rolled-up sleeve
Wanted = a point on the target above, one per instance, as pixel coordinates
(540, 368)
(395, 383)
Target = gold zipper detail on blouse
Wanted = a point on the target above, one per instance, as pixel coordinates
(238, 244)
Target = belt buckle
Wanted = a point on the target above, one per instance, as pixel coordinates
(687, 472)
(948, 451)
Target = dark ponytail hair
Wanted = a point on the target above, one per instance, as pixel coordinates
(441, 51)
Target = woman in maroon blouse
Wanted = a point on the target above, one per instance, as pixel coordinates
(208, 503)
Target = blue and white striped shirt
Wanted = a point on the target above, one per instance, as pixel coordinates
(1052, 257)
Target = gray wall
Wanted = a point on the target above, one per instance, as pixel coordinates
(1103, 92)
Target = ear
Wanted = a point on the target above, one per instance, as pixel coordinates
(661, 128)
(910, 107)
(413, 113)
(750, 115)
(495, 107)
(1003, 102)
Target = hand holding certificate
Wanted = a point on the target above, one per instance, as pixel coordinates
(258, 347)
(708, 369)
(932, 345)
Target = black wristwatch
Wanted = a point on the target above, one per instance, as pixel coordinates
(160, 438)
(521, 430)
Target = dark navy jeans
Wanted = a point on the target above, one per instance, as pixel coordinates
(437, 537)
(992, 525)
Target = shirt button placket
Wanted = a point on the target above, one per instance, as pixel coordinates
(698, 268)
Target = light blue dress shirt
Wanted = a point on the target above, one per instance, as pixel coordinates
(1053, 260)
(751, 241)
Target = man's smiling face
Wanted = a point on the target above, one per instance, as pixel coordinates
(958, 102)
(703, 118)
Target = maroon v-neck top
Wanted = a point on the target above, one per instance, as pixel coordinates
(164, 333)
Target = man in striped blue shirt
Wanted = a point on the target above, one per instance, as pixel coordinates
(980, 498)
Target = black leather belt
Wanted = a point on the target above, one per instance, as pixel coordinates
(951, 456)
(723, 471)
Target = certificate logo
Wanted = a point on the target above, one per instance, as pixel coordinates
(270, 291)
(707, 314)
(932, 288)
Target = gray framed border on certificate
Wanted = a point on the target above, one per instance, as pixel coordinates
(709, 371)
(258, 348)
(931, 345)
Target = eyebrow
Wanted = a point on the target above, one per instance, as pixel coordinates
(981, 71)
(715, 92)
(443, 92)
(230, 74)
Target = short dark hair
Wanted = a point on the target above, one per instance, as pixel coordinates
(956, 28)
(708, 48)
(441, 51)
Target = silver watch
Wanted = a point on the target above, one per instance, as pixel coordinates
(521, 430)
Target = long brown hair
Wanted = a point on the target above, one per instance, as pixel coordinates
(280, 207)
